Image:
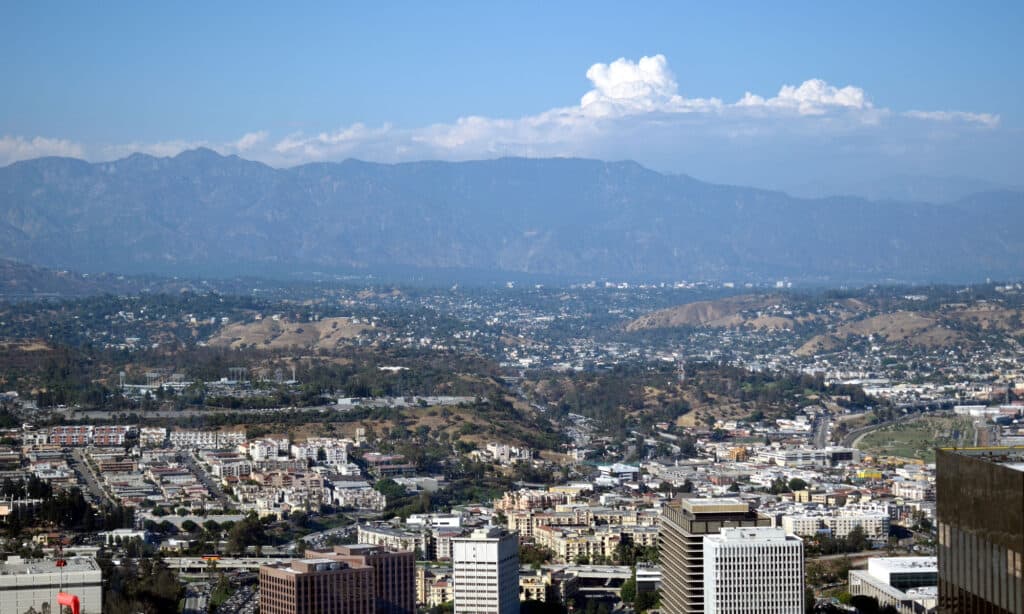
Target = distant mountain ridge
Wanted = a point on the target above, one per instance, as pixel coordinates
(904, 188)
(202, 213)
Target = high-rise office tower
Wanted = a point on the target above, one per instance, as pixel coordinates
(980, 504)
(316, 586)
(753, 570)
(394, 575)
(485, 570)
(682, 529)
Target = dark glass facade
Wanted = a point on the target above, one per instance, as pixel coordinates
(980, 504)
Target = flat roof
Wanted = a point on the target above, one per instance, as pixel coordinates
(751, 534)
(1011, 457)
(717, 505)
(904, 564)
(18, 566)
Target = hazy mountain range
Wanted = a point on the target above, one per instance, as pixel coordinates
(202, 213)
(907, 188)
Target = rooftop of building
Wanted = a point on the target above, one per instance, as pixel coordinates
(485, 533)
(751, 534)
(904, 564)
(311, 565)
(15, 565)
(1011, 457)
(367, 550)
(717, 505)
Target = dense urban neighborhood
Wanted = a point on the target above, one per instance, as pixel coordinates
(207, 447)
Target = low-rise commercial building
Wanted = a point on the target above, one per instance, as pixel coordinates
(34, 584)
(908, 584)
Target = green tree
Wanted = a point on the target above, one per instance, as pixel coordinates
(856, 540)
(628, 590)
(647, 600)
(247, 532)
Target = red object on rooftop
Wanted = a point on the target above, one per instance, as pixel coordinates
(70, 601)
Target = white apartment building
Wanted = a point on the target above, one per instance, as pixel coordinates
(335, 450)
(873, 518)
(874, 524)
(753, 570)
(803, 525)
(357, 494)
(152, 436)
(506, 454)
(394, 539)
(914, 490)
(233, 468)
(794, 457)
(208, 440)
(262, 449)
(485, 569)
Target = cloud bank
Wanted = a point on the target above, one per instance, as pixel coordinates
(634, 109)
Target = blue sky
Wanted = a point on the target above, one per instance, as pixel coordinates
(915, 87)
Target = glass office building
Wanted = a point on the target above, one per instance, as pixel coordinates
(980, 501)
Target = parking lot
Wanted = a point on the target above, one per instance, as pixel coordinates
(244, 601)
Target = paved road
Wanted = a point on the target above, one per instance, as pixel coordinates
(320, 536)
(205, 478)
(98, 493)
(851, 438)
(821, 432)
(99, 414)
(853, 555)
(242, 602)
(197, 598)
(196, 564)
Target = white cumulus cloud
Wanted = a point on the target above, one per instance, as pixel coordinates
(632, 109)
(14, 148)
(812, 97)
(626, 87)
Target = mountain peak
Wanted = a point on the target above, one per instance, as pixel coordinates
(199, 153)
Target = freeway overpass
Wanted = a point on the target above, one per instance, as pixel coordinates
(197, 564)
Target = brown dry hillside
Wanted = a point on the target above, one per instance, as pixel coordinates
(723, 313)
(748, 311)
(923, 330)
(269, 334)
(987, 316)
(24, 345)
